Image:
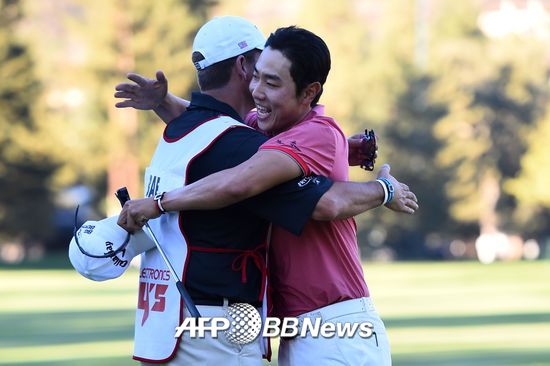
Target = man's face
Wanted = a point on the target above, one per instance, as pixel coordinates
(274, 93)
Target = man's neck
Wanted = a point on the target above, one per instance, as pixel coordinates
(307, 110)
(228, 95)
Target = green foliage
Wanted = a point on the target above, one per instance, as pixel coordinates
(410, 145)
(25, 203)
(59, 63)
(466, 128)
(486, 132)
(95, 44)
(530, 188)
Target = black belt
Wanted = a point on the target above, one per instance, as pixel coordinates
(219, 302)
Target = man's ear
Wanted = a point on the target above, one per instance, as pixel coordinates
(241, 67)
(311, 91)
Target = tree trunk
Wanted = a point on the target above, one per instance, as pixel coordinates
(489, 193)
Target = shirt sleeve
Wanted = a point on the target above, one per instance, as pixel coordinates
(311, 144)
(291, 204)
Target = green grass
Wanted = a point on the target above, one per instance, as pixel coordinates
(460, 313)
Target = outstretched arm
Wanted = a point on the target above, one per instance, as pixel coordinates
(150, 94)
(171, 107)
(348, 199)
(263, 171)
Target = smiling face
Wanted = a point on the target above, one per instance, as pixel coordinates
(274, 92)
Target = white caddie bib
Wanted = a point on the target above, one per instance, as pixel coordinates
(160, 307)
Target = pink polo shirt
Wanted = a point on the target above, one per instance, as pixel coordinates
(321, 266)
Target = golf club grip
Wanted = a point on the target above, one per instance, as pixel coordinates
(122, 195)
(189, 304)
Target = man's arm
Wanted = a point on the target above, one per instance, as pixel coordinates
(264, 170)
(171, 107)
(348, 199)
(145, 94)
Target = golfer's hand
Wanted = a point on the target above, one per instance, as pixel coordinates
(404, 200)
(136, 213)
(143, 93)
(356, 155)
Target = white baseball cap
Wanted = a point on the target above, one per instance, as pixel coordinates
(225, 37)
(100, 237)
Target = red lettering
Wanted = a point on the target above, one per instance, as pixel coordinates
(143, 301)
(159, 296)
(143, 298)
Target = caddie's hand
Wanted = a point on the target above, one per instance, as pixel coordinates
(123, 220)
(143, 93)
(136, 213)
(356, 153)
(404, 200)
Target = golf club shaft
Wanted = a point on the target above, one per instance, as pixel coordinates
(123, 196)
(183, 292)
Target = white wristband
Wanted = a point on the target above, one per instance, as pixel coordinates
(385, 191)
(157, 199)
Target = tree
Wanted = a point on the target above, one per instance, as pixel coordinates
(141, 36)
(85, 49)
(410, 146)
(25, 172)
(484, 143)
(530, 187)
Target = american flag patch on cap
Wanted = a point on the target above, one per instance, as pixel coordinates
(242, 44)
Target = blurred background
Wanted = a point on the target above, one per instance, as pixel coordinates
(457, 91)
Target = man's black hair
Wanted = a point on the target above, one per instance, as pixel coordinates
(308, 54)
(218, 75)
